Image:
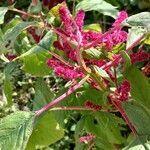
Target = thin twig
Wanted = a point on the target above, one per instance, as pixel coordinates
(24, 13)
(61, 59)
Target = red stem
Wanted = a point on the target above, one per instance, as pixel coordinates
(118, 106)
(34, 2)
(98, 40)
(24, 13)
(115, 74)
(111, 63)
(59, 99)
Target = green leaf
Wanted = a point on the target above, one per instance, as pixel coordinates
(35, 59)
(140, 143)
(47, 131)
(16, 20)
(100, 72)
(139, 117)
(15, 130)
(93, 53)
(98, 5)
(35, 64)
(35, 9)
(43, 95)
(134, 34)
(95, 27)
(147, 40)
(140, 86)
(9, 69)
(3, 11)
(8, 91)
(127, 61)
(11, 34)
(140, 19)
(43, 46)
(105, 127)
(8, 85)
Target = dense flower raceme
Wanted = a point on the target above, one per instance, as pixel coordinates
(87, 138)
(123, 91)
(63, 70)
(73, 28)
(91, 105)
(139, 56)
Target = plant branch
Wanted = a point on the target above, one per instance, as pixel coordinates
(79, 108)
(34, 2)
(92, 44)
(118, 106)
(23, 13)
(111, 63)
(71, 108)
(59, 99)
(61, 59)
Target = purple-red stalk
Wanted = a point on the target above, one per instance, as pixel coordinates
(118, 106)
(60, 98)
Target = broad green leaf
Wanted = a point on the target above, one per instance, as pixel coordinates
(47, 131)
(93, 53)
(8, 85)
(9, 69)
(35, 9)
(109, 123)
(8, 91)
(106, 129)
(35, 59)
(16, 20)
(3, 11)
(134, 34)
(35, 64)
(140, 19)
(119, 47)
(147, 40)
(43, 95)
(11, 34)
(98, 5)
(15, 130)
(100, 72)
(140, 87)
(127, 61)
(43, 46)
(139, 117)
(95, 27)
(140, 143)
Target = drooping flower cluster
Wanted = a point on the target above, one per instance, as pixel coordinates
(63, 70)
(118, 36)
(36, 37)
(123, 91)
(91, 105)
(72, 28)
(139, 56)
(120, 18)
(87, 138)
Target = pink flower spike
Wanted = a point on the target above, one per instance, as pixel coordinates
(87, 138)
(91, 105)
(79, 19)
(120, 18)
(124, 90)
(140, 56)
(63, 70)
(66, 19)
